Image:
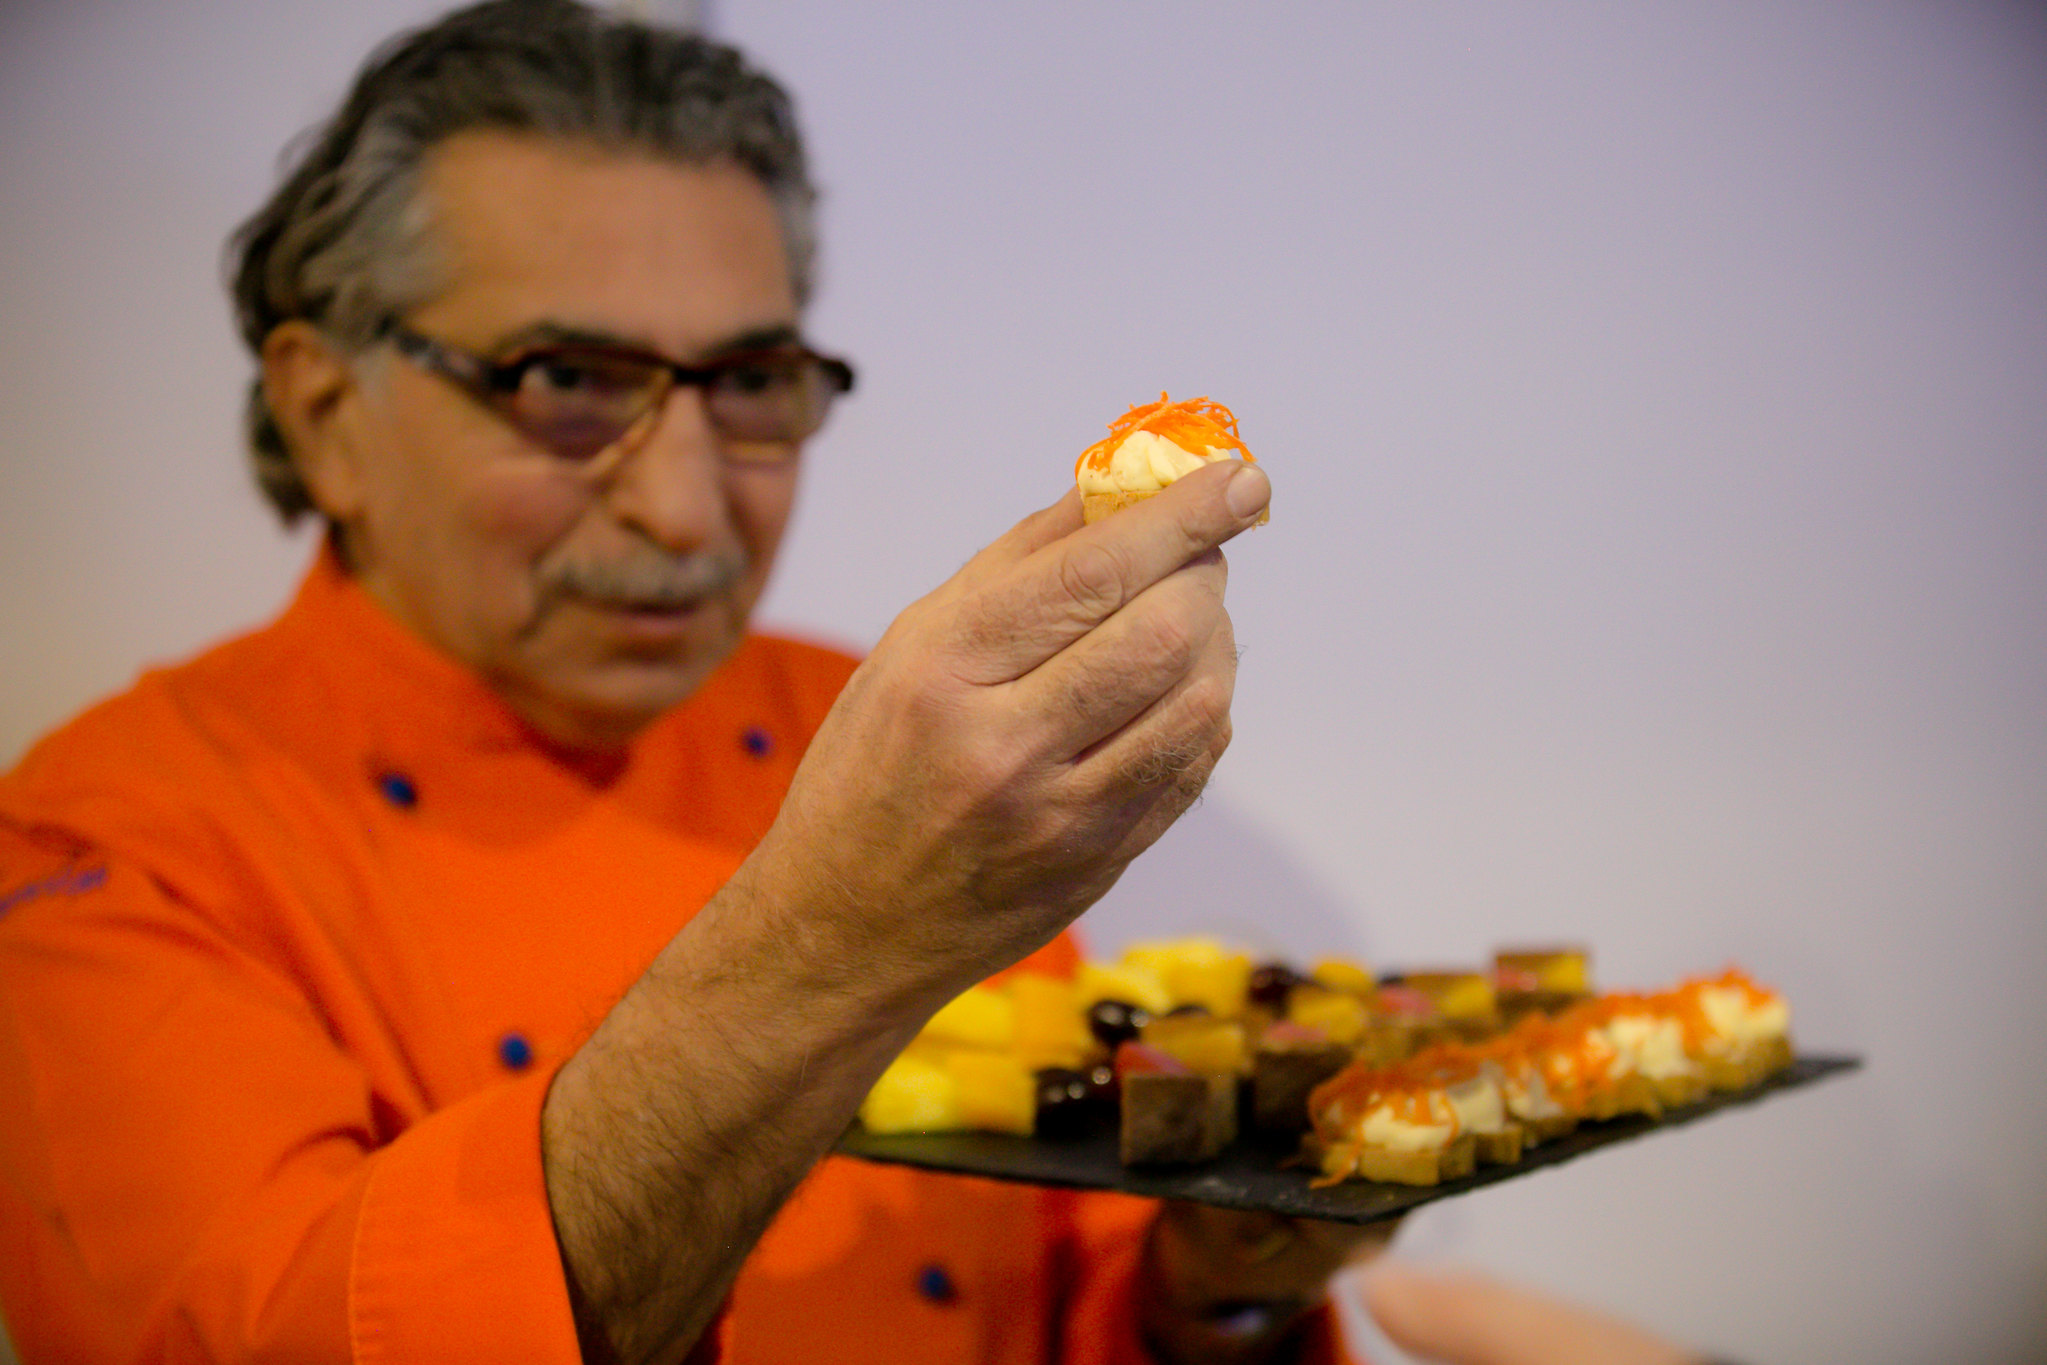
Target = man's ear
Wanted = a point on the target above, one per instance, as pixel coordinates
(311, 392)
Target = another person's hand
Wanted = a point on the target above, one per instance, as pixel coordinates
(1224, 1287)
(1461, 1318)
(1019, 735)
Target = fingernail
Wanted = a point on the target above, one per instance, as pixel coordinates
(1248, 492)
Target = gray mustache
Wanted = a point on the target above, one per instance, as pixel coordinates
(649, 582)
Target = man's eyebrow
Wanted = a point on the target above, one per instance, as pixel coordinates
(550, 333)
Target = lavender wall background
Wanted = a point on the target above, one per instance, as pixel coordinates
(1656, 397)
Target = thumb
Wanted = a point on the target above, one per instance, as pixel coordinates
(1461, 1318)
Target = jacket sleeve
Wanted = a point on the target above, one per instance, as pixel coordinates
(193, 1168)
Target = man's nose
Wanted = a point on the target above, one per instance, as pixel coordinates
(671, 486)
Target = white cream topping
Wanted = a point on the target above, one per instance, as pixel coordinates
(1478, 1105)
(1652, 1046)
(1385, 1129)
(1526, 1094)
(1734, 1017)
(1145, 463)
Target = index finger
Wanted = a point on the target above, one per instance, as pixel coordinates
(1035, 531)
(1059, 592)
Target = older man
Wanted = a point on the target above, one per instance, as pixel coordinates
(465, 965)
(480, 961)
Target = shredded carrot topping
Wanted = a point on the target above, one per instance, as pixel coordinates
(1193, 424)
(1570, 1051)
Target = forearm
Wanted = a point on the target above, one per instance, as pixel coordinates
(728, 1070)
(1015, 739)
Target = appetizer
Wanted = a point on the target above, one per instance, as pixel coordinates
(1178, 1045)
(1396, 1124)
(1172, 1115)
(1543, 979)
(1149, 447)
(1606, 1056)
(1290, 1061)
(1464, 1000)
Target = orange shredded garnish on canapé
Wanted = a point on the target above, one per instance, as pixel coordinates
(1196, 425)
(1570, 1054)
(1688, 1002)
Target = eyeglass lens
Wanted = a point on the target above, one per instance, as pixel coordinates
(578, 403)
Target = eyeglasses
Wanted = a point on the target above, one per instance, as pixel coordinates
(582, 400)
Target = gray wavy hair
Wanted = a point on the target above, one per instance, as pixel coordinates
(344, 242)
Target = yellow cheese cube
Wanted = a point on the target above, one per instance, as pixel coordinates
(1341, 1016)
(1196, 971)
(1341, 975)
(913, 1096)
(1134, 985)
(1457, 995)
(995, 1092)
(1565, 971)
(1051, 1029)
(980, 1016)
(1221, 986)
(1202, 1042)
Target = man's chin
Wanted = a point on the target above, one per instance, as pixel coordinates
(607, 706)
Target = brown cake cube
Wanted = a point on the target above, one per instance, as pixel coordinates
(1176, 1118)
(1284, 1069)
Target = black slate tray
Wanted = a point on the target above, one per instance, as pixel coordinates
(1251, 1176)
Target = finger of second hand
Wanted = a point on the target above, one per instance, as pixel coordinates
(1017, 620)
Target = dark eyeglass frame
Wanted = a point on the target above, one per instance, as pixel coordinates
(497, 384)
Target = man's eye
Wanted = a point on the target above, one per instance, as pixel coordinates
(568, 377)
(758, 376)
(560, 375)
(577, 377)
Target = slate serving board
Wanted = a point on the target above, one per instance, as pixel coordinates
(1250, 1175)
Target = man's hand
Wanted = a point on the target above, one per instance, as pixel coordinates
(1019, 735)
(1465, 1319)
(1016, 738)
(1223, 1287)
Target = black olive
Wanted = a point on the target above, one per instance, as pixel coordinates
(1067, 1107)
(1116, 1021)
(1272, 983)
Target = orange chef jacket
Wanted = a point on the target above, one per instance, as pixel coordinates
(293, 937)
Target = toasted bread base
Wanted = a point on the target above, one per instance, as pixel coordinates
(1631, 1094)
(1675, 1092)
(1430, 1167)
(1758, 1063)
(1095, 506)
(1500, 1146)
(1546, 1127)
